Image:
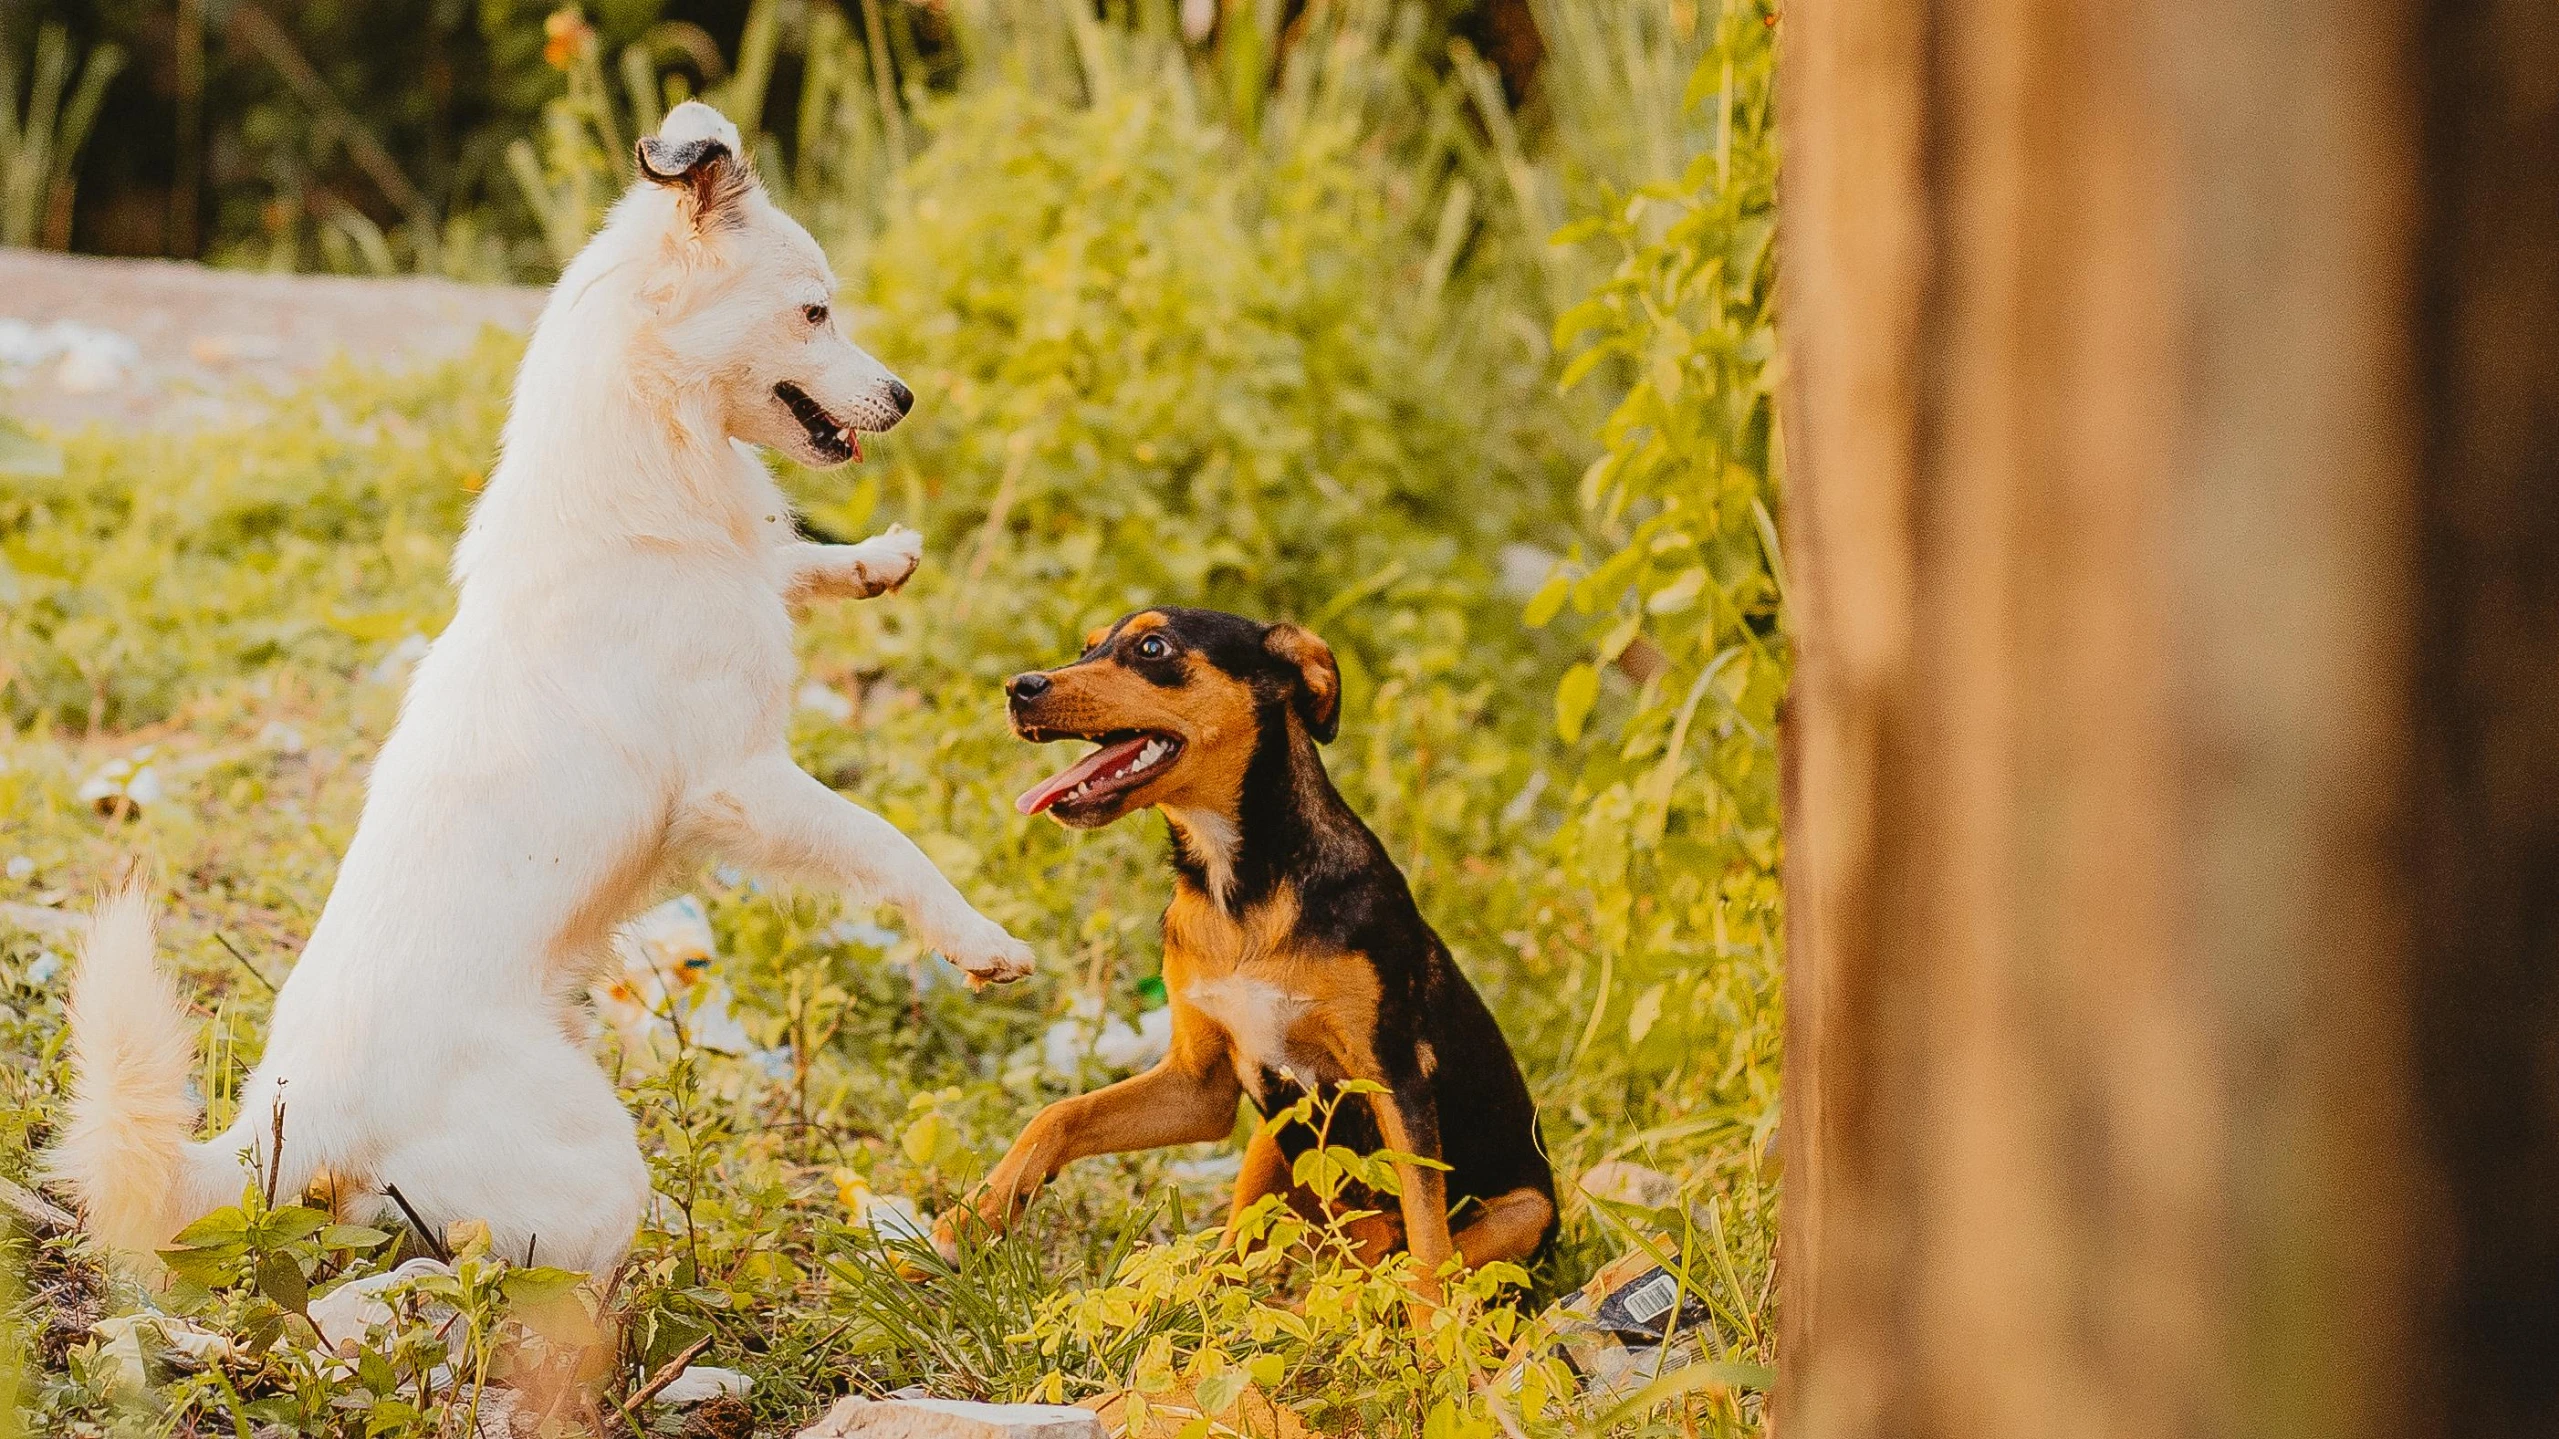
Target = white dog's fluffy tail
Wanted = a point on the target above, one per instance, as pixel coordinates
(125, 1148)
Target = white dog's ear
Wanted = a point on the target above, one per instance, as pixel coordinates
(697, 151)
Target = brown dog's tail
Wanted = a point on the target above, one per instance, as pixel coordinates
(125, 1148)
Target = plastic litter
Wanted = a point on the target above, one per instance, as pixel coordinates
(346, 1313)
(667, 981)
(701, 1382)
(1106, 1039)
(890, 1216)
(124, 1336)
(1628, 1326)
(127, 780)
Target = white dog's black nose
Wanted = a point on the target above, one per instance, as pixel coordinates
(901, 396)
(1027, 687)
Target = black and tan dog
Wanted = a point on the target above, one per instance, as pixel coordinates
(1293, 953)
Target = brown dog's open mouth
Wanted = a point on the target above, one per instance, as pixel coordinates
(835, 442)
(1126, 760)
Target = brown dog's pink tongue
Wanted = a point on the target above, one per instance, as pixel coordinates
(1049, 791)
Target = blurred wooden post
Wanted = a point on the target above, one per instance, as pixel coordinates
(2174, 811)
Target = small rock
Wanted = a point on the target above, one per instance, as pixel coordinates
(952, 1419)
(44, 921)
(1620, 1182)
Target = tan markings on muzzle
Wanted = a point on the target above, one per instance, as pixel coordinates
(1213, 715)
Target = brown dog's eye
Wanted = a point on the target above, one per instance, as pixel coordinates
(816, 314)
(1153, 648)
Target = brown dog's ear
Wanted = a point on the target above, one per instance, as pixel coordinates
(714, 177)
(1318, 697)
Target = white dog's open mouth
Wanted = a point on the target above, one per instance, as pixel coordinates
(834, 441)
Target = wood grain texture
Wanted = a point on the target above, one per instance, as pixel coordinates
(2173, 801)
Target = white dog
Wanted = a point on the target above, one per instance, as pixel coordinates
(609, 699)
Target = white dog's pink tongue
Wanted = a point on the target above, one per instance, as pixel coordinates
(1109, 759)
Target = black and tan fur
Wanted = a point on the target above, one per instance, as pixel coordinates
(1293, 951)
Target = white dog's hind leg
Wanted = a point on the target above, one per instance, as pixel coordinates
(769, 814)
(874, 567)
(540, 1147)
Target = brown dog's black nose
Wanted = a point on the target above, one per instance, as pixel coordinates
(1027, 687)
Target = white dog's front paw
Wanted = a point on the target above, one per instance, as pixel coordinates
(889, 559)
(986, 953)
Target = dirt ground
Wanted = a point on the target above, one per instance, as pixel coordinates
(161, 344)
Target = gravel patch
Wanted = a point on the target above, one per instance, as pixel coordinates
(161, 344)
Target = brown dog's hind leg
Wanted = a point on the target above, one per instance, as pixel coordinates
(1410, 1121)
(1265, 1170)
(1509, 1227)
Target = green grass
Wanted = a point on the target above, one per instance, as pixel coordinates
(1164, 357)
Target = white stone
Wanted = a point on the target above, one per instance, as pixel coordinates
(952, 1419)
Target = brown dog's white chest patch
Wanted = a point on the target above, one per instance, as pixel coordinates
(1259, 1018)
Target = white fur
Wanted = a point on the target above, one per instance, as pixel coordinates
(1209, 838)
(610, 699)
(1256, 1015)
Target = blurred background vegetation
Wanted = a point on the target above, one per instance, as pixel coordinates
(244, 131)
(1446, 329)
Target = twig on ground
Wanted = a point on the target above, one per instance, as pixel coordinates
(45, 1217)
(434, 1241)
(275, 1150)
(263, 982)
(668, 1373)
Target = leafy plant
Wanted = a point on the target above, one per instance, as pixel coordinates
(1194, 324)
(40, 143)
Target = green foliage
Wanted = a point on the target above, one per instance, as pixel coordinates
(40, 144)
(154, 561)
(1257, 330)
(1673, 714)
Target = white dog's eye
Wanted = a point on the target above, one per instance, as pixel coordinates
(1153, 647)
(816, 313)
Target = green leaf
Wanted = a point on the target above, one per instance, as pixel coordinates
(1585, 362)
(1574, 697)
(1679, 594)
(292, 1222)
(539, 1284)
(1548, 602)
(280, 1278)
(353, 1236)
(220, 1227)
(1219, 1391)
(1418, 1161)
(1586, 228)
